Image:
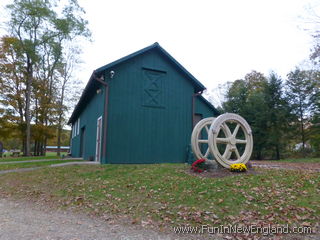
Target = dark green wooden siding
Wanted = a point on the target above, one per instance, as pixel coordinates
(149, 113)
(154, 133)
(88, 121)
(202, 108)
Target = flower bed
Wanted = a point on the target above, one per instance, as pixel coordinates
(238, 167)
(199, 165)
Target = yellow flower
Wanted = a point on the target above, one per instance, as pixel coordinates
(238, 167)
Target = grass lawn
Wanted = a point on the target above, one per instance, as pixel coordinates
(49, 155)
(166, 195)
(31, 164)
(54, 154)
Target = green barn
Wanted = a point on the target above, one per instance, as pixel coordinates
(138, 109)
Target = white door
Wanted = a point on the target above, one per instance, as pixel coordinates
(98, 141)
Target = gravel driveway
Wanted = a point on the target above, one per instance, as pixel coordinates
(25, 222)
(314, 167)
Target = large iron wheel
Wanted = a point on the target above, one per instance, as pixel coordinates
(233, 147)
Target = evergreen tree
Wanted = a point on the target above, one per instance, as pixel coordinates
(246, 98)
(278, 115)
(299, 91)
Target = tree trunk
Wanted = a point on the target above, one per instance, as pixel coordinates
(302, 130)
(27, 112)
(277, 152)
(43, 147)
(259, 155)
(59, 141)
(60, 117)
(302, 138)
(28, 125)
(35, 148)
(24, 145)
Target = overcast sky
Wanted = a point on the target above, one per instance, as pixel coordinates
(217, 41)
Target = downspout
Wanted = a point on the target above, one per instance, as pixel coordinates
(194, 105)
(105, 114)
(70, 149)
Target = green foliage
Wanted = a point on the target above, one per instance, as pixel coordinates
(278, 115)
(281, 115)
(65, 138)
(314, 135)
(314, 130)
(300, 90)
(236, 97)
(261, 102)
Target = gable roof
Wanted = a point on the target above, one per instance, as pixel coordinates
(205, 101)
(92, 83)
(198, 85)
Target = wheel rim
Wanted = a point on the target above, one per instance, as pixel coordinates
(200, 142)
(240, 134)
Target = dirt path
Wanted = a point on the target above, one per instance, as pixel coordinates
(286, 165)
(23, 221)
(41, 160)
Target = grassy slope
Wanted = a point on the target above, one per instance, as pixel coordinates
(167, 195)
(31, 164)
(49, 155)
(26, 158)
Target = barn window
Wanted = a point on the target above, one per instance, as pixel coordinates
(73, 130)
(78, 126)
(152, 93)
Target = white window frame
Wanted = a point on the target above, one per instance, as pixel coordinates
(99, 134)
(73, 130)
(78, 127)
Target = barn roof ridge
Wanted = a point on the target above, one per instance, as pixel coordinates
(155, 45)
(199, 86)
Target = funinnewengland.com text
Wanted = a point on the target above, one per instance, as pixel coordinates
(235, 229)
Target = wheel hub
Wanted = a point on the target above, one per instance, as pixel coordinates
(232, 141)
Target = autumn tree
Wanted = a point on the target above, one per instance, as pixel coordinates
(42, 28)
(12, 84)
(67, 90)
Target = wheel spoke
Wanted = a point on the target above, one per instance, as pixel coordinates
(222, 140)
(237, 153)
(241, 141)
(234, 134)
(207, 153)
(226, 151)
(226, 128)
(203, 140)
(207, 129)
